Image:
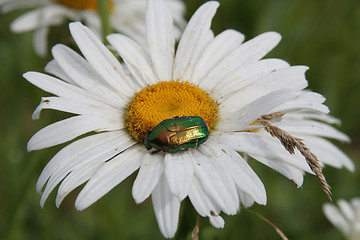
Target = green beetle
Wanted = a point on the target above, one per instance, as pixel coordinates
(174, 134)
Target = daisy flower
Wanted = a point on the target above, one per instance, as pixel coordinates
(345, 217)
(126, 16)
(180, 117)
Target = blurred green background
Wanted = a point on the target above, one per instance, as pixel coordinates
(322, 34)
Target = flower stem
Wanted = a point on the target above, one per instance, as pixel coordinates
(103, 9)
(187, 221)
(17, 209)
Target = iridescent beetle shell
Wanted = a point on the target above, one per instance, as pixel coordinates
(178, 133)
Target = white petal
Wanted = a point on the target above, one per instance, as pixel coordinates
(70, 128)
(197, 27)
(305, 100)
(291, 172)
(217, 49)
(179, 173)
(9, 5)
(44, 16)
(245, 199)
(178, 11)
(355, 202)
(217, 221)
(59, 88)
(102, 60)
(242, 174)
(248, 52)
(151, 169)
(129, 18)
(72, 151)
(159, 26)
(87, 158)
(202, 203)
(285, 78)
(238, 120)
(313, 128)
(75, 107)
(81, 72)
(219, 189)
(327, 152)
(135, 58)
(308, 114)
(347, 210)
(166, 208)
(336, 218)
(53, 68)
(258, 47)
(136, 30)
(73, 180)
(262, 144)
(40, 41)
(92, 20)
(202, 43)
(243, 76)
(109, 175)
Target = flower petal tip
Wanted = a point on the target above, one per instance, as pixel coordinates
(217, 221)
(29, 146)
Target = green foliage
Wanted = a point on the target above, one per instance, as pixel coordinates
(323, 34)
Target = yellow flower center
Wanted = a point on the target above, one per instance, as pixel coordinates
(83, 4)
(166, 100)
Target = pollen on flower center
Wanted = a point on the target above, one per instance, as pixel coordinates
(83, 4)
(166, 100)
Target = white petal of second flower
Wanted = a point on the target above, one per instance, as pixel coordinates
(347, 210)
(10, 5)
(45, 16)
(336, 218)
(40, 40)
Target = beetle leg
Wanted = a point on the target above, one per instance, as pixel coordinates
(155, 151)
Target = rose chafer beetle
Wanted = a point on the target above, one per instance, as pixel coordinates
(178, 133)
